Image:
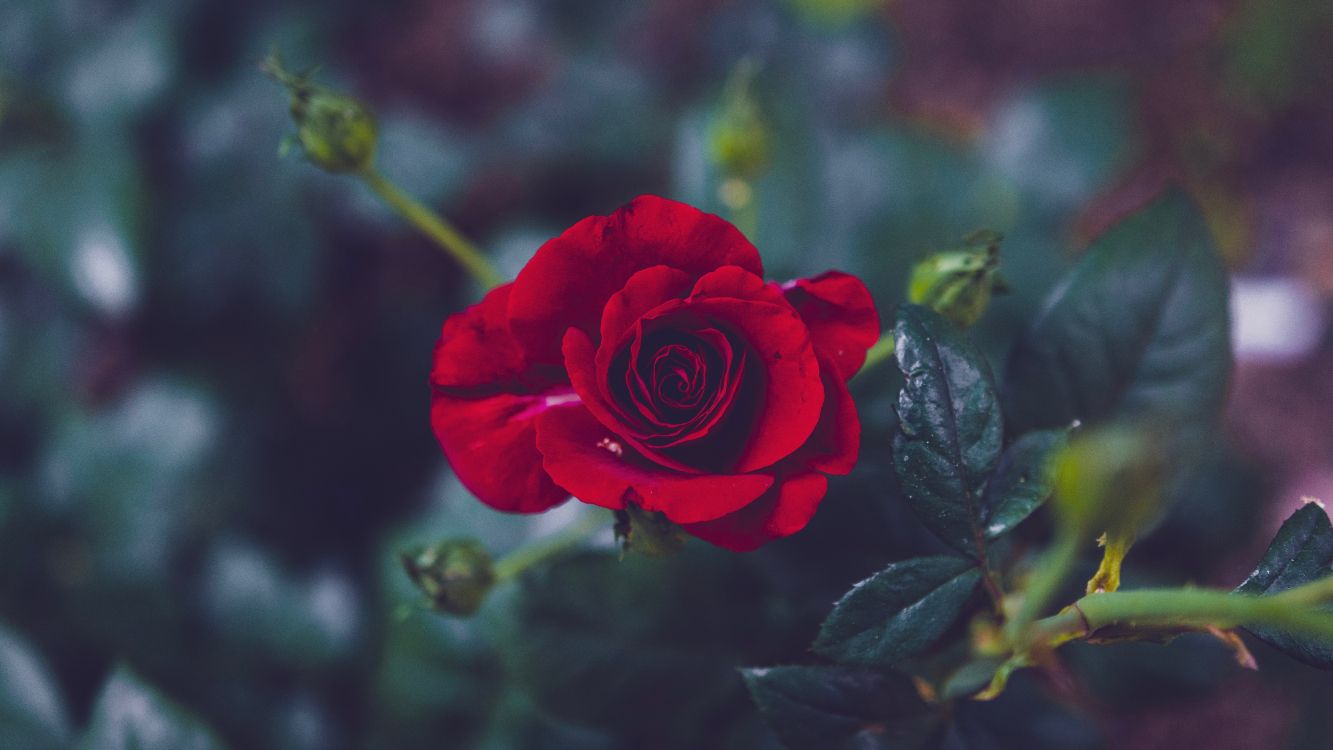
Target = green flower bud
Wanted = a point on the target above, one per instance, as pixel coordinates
(336, 132)
(958, 283)
(739, 137)
(454, 574)
(648, 532)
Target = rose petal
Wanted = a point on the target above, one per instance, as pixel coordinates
(784, 510)
(475, 348)
(571, 278)
(599, 467)
(790, 393)
(485, 398)
(587, 379)
(841, 316)
(836, 441)
(724, 380)
(643, 292)
(491, 443)
(738, 283)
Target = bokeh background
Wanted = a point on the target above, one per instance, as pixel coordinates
(214, 436)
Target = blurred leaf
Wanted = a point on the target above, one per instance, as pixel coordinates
(517, 723)
(594, 640)
(840, 707)
(1060, 141)
(1301, 552)
(898, 612)
(1108, 477)
(263, 609)
(130, 475)
(1270, 51)
(131, 715)
(1140, 326)
(950, 427)
(76, 217)
(970, 678)
(1021, 482)
(1108, 480)
(936, 193)
(121, 70)
(32, 713)
(835, 12)
(1212, 508)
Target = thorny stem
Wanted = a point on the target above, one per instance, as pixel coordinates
(1292, 611)
(557, 544)
(435, 227)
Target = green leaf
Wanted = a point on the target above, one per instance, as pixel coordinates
(593, 640)
(1139, 327)
(1301, 552)
(1021, 482)
(840, 707)
(950, 428)
(131, 715)
(898, 612)
(32, 712)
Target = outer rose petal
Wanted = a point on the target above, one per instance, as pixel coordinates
(836, 441)
(784, 510)
(475, 348)
(598, 467)
(491, 443)
(569, 280)
(841, 315)
(485, 399)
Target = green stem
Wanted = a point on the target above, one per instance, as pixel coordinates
(557, 544)
(881, 351)
(1055, 567)
(746, 216)
(435, 227)
(1292, 611)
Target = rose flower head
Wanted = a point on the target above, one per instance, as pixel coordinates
(640, 359)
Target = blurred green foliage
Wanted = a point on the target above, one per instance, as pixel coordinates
(214, 440)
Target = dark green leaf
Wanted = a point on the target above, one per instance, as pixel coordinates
(1140, 326)
(1020, 484)
(840, 707)
(130, 715)
(1301, 552)
(594, 640)
(950, 428)
(898, 612)
(32, 713)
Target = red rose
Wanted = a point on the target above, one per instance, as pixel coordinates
(641, 358)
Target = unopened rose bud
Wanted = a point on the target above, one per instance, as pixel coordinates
(455, 574)
(958, 283)
(647, 532)
(739, 138)
(336, 132)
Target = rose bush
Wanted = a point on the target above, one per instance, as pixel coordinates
(641, 358)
